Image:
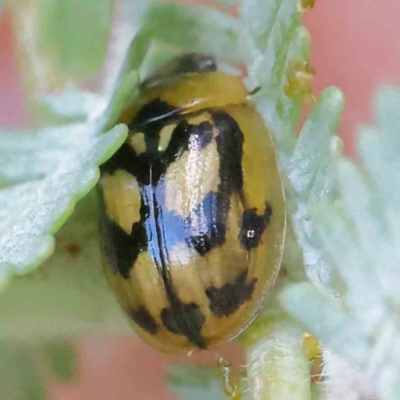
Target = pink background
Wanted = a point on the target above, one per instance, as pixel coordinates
(356, 46)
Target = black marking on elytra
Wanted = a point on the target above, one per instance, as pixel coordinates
(230, 148)
(153, 165)
(153, 111)
(253, 226)
(106, 233)
(227, 299)
(200, 135)
(150, 120)
(215, 207)
(142, 317)
(194, 320)
(152, 232)
(207, 231)
(178, 143)
(125, 158)
(202, 243)
(149, 168)
(186, 319)
(149, 234)
(122, 249)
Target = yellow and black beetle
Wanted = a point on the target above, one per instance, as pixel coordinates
(193, 213)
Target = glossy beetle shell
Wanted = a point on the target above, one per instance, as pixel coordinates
(193, 214)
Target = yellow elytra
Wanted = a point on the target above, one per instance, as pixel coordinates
(193, 214)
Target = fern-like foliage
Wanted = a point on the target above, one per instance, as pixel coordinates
(20, 376)
(360, 233)
(195, 383)
(341, 253)
(33, 210)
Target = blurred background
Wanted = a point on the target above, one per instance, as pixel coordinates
(355, 46)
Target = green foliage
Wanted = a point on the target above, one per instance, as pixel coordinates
(268, 41)
(68, 295)
(273, 39)
(156, 42)
(190, 382)
(66, 107)
(19, 374)
(23, 368)
(44, 197)
(310, 181)
(44, 172)
(341, 256)
(60, 356)
(201, 27)
(274, 42)
(277, 366)
(359, 235)
(74, 34)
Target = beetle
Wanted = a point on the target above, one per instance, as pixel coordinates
(192, 208)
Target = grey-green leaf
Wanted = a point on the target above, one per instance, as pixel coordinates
(66, 107)
(191, 382)
(31, 212)
(74, 33)
(19, 374)
(60, 356)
